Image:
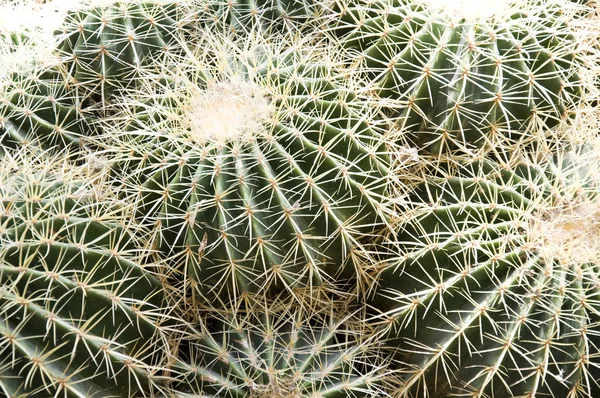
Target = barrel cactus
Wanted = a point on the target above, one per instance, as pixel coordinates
(81, 315)
(494, 287)
(282, 350)
(42, 109)
(106, 45)
(278, 16)
(255, 166)
(457, 81)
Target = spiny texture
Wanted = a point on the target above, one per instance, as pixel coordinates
(256, 167)
(494, 289)
(40, 108)
(459, 83)
(241, 16)
(106, 45)
(80, 316)
(26, 35)
(282, 351)
(34, 104)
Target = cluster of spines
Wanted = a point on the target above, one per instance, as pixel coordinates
(276, 348)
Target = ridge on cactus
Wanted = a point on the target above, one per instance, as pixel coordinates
(81, 314)
(41, 109)
(461, 82)
(494, 286)
(258, 169)
(270, 17)
(106, 44)
(279, 350)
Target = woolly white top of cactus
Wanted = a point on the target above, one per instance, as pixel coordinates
(570, 234)
(227, 111)
(211, 96)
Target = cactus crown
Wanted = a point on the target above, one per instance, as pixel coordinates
(292, 168)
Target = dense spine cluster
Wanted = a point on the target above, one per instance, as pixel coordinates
(277, 349)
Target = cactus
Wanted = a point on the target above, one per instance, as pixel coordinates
(461, 82)
(278, 350)
(279, 16)
(106, 46)
(37, 106)
(80, 313)
(494, 287)
(41, 109)
(275, 195)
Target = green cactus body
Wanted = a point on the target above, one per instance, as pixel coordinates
(40, 109)
(461, 83)
(79, 315)
(283, 16)
(494, 289)
(262, 176)
(282, 351)
(105, 46)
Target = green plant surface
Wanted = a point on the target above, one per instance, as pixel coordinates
(278, 16)
(41, 109)
(493, 288)
(257, 168)
(81, 315)
(106, 45)
(458, 82)
(281, 350)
